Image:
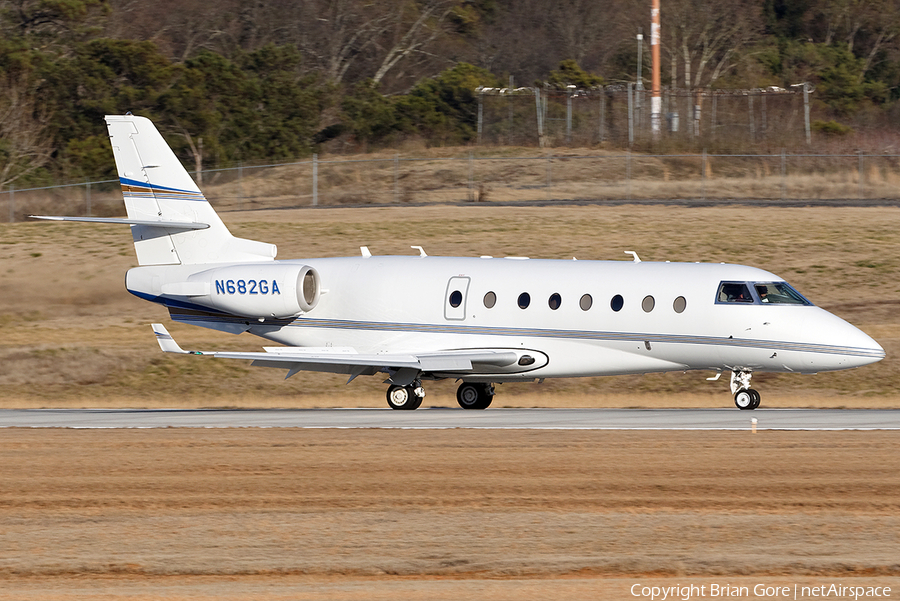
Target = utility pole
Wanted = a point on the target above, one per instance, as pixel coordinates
(655, 87)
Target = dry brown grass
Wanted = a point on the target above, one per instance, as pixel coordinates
(510, 174)
(70, 335)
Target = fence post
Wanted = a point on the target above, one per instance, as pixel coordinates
(540, 116)
(628, 172)
(750, 113)
(861, 175)
(549, 173)
(806, 112)
(569, 114)
(715, 106)
(12, 203)
(602, 114)
(241, 182)
(509, 106)
(783, 174)
(315, 174)
(471, 177)
(480, 114)
(87, 197)
(397, 177)
(703, 176)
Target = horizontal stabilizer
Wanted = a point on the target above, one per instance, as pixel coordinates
(169, 225)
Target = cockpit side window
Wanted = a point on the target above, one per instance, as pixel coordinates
(734, 292)
(779, 293)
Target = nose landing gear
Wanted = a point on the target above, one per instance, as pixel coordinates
(745, 398)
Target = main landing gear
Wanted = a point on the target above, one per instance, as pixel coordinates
(469, 395)
(745, 398)
(406, 397)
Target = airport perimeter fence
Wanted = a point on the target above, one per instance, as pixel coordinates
(477, 176)
(620, 115)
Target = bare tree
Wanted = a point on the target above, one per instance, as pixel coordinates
(868, 27)
(707, 36)
(411, 33)
(585, 28)
(25, 144)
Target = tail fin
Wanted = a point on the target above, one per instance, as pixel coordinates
(158, 190)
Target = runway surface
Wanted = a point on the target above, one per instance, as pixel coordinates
(440, 418)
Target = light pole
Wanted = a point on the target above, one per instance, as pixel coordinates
(656, 100)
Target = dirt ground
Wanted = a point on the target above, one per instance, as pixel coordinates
(452, 514)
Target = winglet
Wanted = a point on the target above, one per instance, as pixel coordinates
(166, 342)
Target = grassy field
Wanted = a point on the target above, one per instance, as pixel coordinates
(70, 335)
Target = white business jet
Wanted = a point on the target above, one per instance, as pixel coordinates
(477, 320)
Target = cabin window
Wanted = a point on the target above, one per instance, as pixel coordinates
(734, 292)
(455, 298)
(779, 293)
(586, 302)
(617, 303)
(680, 304)
(490, 299)
(555, 301)
(524, 300)
(648, 303)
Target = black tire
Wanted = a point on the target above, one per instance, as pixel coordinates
(743, 400)
(401, 397)
(756, 398)
(470, 395)
(404, 397)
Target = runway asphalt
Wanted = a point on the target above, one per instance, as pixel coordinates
(440, 418)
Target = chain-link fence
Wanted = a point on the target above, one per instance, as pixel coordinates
(446, 176)
(620, 117)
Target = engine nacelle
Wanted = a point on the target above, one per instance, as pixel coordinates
(259, 290)
(256, 290)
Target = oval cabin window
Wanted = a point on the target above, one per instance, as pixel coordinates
(490, 299)
(617, 303)
(555, 301)
(455, 298)
(524, 300)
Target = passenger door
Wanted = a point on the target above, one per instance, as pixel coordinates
(455, 298)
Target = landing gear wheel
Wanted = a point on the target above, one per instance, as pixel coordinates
(756, 398)
(470, 395)
(743, 399)
(405, 397)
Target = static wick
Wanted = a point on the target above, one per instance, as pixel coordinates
(753, 421)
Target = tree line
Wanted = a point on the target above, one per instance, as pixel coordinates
(241, 81)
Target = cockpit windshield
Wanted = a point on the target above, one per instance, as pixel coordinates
(779, 293)
(734, 292)
(766, 293)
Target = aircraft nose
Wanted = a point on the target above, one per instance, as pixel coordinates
(858, 348)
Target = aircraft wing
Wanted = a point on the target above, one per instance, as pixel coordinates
(403, 368)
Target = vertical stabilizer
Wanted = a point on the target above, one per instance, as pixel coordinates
(157, 188)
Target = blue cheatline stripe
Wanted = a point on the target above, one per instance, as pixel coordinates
(145, 190)
(339, 324)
